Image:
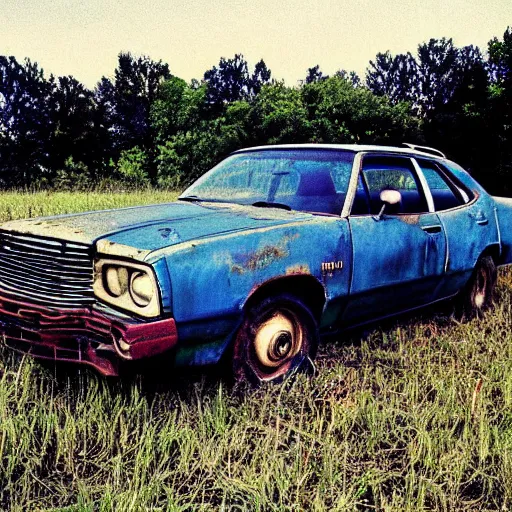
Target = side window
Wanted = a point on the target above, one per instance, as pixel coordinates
(444, 194)
(395, 173)
(360, 205)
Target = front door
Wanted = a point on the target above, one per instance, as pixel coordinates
(398, 257)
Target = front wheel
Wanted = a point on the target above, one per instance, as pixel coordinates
(277, 338)
(479, 292)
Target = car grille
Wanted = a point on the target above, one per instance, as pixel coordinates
(46, 271)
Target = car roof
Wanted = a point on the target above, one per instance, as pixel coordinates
(345, 147)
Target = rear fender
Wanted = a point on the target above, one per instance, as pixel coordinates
(504, 215)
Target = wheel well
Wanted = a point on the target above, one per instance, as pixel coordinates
(494, 252)
(306, 288)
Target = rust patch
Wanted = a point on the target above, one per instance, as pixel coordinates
(115, 249)
(410, 219)
(259, 259)
(298, 269)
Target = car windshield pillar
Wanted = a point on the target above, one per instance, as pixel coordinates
(352, 185)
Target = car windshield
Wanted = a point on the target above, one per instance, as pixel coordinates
(312, 180)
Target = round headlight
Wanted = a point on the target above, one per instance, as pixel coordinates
(141, 288)
(116, 280)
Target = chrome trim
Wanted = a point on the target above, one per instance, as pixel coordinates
(424, 185)
(426, 149)
(352, 185)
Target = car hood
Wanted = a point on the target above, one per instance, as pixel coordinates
(137, 231)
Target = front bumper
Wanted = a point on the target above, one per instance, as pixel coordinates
(96, 338)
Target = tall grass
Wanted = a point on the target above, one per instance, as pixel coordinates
(416, 415)
(19, 205)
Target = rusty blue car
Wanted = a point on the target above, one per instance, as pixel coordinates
(265, 253)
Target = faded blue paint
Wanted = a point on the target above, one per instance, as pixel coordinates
(390, 255)
(215, 276)
(181, 224)
(470, 230)
(504, 215)
(209, 258)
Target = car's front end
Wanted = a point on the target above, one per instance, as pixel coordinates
(63, 300)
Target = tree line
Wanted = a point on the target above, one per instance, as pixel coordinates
(146, 126)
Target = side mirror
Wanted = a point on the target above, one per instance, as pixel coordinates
(388, 197)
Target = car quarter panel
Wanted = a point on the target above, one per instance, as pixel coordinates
(504, 214)
(470, 230)
(212, 278)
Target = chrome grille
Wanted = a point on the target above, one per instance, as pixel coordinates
(46, 271)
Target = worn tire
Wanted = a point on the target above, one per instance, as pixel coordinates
(278, 338)
(478, 294)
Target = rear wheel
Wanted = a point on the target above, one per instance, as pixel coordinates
(277, 338)
(479, 292)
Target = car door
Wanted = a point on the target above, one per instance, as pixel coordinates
(398, 257)
(468, 220)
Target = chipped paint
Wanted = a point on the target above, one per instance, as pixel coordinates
(298, 269)
(170, 234)
(409, 219)
(110, 248)
(259, 259)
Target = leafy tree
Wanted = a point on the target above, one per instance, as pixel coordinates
(77, 129)
(352, 76)
(500, 111)
(132, 167)
(280, 116)
(315, 75)
(226, 83)
(341, 113)
(395, 77)
(25, 121)
(129, 98)
(260, 77)
(178, 107)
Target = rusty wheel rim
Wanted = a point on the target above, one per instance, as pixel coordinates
(277, 341)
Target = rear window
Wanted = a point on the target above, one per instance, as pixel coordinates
(445, 193)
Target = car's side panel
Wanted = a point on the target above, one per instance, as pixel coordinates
(212, 278)
(398, 262)
(504, 214)
(470, 229)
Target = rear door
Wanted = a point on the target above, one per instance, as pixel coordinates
(398, 257)
(468, 219)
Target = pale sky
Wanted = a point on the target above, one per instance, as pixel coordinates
(83, 37)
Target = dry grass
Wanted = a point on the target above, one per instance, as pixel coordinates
(412, 416)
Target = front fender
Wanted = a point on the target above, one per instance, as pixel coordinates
(211, 278)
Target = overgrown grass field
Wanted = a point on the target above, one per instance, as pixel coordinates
(413, 415)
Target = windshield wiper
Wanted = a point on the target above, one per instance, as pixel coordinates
(190, 198)
(267, 204)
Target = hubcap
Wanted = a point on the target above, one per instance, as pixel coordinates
(278, 339)
(481, 285)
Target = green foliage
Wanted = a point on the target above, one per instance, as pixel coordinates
(342, 113)
(132, 167)
(73, 176)
(444, 96)
(280, 115)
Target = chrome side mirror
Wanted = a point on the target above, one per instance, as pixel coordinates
(388, 197)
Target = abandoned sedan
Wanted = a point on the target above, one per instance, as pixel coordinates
(267, 251)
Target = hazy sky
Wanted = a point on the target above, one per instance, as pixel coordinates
(83, 37)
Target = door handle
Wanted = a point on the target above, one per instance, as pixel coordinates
(432, 229)
(479, 217)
